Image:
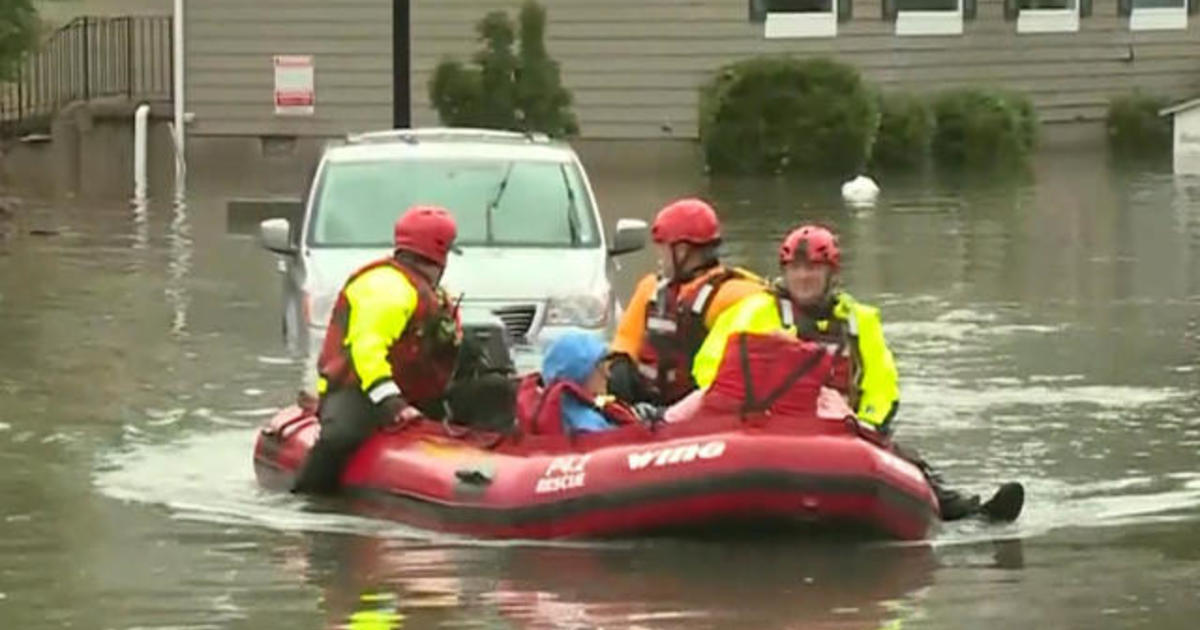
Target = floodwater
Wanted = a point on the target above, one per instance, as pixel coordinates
(1047, 330)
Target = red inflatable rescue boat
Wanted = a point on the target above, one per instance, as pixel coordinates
(708, 473)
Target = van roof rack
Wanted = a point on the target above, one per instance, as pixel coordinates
(413, 136)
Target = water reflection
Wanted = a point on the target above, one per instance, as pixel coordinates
(665, 584)
(141, 224)
(178, 265)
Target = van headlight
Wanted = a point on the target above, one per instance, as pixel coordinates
(586, 311)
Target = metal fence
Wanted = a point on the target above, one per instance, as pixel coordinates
(90, 57)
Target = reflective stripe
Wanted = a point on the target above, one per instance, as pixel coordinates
(785, 313)
(852, 323)
(383, 390)
(700, 302)
(661, 324)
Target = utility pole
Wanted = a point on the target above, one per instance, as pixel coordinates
(401, 64)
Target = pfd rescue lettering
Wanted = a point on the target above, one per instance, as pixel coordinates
(676, 455)
(563, 473)
(558, 484)
(567, 465)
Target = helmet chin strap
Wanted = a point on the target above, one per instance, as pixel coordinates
(705, 261)
(676, 272)
(429, 269)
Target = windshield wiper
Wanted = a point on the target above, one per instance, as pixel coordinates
(495, 202)
(572, 207)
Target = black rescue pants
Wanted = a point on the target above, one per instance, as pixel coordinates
(347, 418)
(952, 504)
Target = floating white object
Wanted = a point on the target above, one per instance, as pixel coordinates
(861, 190)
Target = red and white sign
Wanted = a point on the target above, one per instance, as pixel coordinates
(295, 91)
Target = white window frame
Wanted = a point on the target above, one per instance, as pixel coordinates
(1049, 20)
(1159, 18)
(806, 24)
(911, 23)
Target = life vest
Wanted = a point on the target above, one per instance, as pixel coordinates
(675, 330)
(833, 335)
(422, 359)
(766, 373)
(539, 408)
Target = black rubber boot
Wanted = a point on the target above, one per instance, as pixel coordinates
(1006, 504)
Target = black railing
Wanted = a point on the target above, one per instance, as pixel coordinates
(89, 58)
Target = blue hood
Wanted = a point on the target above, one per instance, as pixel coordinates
(573, 356)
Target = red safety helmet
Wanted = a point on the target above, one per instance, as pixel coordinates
(688, 220)
(813, 243)
(428, 231)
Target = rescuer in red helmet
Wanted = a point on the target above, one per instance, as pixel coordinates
(669, 314)
(807, 303)
(391, 346)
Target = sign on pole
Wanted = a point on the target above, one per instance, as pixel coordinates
(295, 94)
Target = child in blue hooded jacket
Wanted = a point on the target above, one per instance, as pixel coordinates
(581, 359)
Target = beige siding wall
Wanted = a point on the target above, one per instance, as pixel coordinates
(634, 66)
(230, 73)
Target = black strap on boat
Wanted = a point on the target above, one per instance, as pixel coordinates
(748, 401)
(751, 404)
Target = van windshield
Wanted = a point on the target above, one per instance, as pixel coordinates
(533, 204)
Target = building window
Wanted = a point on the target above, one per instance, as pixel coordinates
(1047, 16)
(800, 18)
(929, 17)
(1156, 15)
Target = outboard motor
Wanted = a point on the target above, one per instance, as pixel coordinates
(489, 339)
(483, 394)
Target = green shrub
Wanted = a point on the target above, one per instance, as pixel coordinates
(905, 130)
(544, 104)
(981, 127)
(517, 91)
(777, 113)
(1134, 127)
(455, 92)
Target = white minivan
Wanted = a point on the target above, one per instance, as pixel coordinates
(535, 255)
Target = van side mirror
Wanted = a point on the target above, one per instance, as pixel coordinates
(630, 236)
(276, 235)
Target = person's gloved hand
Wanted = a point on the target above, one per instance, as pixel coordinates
(624, 381)
(396, 409)
(648, 412)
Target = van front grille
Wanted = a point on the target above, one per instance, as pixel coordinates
(517, 319)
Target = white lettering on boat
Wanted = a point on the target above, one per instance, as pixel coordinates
(567, 465)
(557, 484)
(676, 455)
(563, 473)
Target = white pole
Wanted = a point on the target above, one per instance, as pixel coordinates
(180, 167)
(140, 118)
